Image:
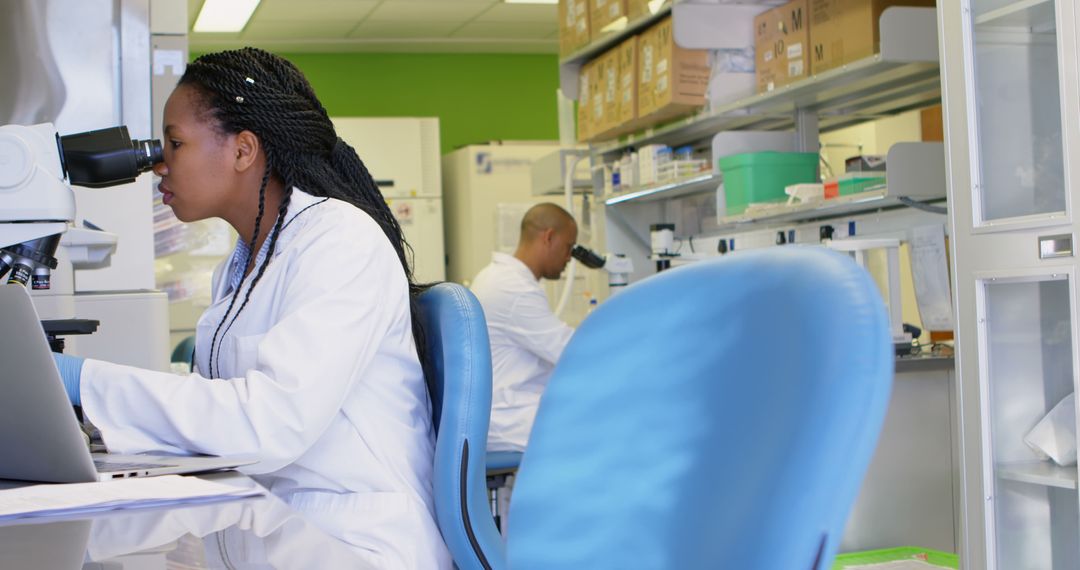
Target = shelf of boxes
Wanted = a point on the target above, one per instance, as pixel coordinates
(903, 76)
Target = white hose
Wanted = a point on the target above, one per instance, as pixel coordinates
(568, 189)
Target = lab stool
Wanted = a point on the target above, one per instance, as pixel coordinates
(501, 468)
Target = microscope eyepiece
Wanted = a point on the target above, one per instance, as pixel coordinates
(587, 257)
(107, 157)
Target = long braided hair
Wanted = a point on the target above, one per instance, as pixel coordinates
(253, 90)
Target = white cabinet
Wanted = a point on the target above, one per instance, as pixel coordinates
(1012, 128)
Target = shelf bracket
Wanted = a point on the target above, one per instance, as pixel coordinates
(807, 134)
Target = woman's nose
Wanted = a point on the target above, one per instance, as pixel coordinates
(160, 169)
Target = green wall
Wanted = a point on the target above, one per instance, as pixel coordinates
(477, 97)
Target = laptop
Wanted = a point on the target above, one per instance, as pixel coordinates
(40, 437)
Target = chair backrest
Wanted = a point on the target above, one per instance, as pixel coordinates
(718, 415)
(458, 372)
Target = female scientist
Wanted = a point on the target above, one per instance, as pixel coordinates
(307, 356)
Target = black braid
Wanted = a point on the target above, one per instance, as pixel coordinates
(250, 89)
(247, 264)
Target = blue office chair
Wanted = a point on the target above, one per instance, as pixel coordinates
(184, 351)
(718, 415)
(458, 372)
(501, 466)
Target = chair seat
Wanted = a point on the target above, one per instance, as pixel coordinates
(499, 462)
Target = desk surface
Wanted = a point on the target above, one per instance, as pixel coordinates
(260, 532)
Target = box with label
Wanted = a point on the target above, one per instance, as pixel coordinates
(845, 31)
(671, 80)
(603, 13)
(609, 83)
(637, 9)
(782, 45)
(628, 84)
(587, 84)
(573, 25)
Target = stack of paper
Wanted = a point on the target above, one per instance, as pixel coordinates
(53, 499)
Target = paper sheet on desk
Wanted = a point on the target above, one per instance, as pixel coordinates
(62, 499)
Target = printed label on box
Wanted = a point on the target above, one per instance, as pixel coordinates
(795, 68)
(661, 84)
(661, 66)
(768, 56)
(647, 67)
(794, 51)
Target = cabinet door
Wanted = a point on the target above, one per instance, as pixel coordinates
(1009, 76)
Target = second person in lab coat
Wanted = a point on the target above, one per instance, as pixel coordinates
(526, 336)
(307, 356)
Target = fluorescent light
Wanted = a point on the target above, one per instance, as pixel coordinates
(531, 1)
(224, 15)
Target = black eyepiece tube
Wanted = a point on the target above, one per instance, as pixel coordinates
(107, 157)
(587, 257)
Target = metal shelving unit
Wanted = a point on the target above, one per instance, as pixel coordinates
(1031, 15)
(904, 76)
(1043, 473)
(705, 182)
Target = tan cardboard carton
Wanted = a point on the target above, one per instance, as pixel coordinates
(586, 87)
(782, 45)
(628, 84)
(573, 25)
(637, 9)
(602, 13)
(608, 74)
(845, 31)
(672, 80)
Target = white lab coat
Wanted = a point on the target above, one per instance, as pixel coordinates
(526, 342)
(319, 379)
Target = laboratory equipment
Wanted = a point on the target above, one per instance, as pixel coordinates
(859, 250)
(618, 266)
(662, 241)
(38, 204)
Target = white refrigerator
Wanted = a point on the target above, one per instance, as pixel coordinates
(402, 154)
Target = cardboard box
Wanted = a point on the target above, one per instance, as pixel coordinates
(602, 13)
(782, 45)
(586, 86)
(845, 31)
(628, 85)
(637, 9)
(607, 119)
(573, 26)
(671, 80)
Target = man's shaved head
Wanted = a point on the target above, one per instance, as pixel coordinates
(548, 233)
(542, 217)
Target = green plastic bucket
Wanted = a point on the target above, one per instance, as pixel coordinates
(935, 557)
(761, 176)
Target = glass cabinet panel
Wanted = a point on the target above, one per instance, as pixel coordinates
(1018, 111)
(1028, 340)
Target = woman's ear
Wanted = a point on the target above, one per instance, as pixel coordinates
(246, 149)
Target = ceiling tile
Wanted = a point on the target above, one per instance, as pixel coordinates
(503, 12)
(312, 10)
(406, 11)
(521, 30)
(382, 30)
(297, 30)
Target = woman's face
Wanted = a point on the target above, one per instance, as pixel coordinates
(198, 175)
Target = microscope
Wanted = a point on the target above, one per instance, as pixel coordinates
(36, 167)
(37, 205)
(618, 266)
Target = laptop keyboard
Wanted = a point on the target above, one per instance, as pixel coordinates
(110, 466)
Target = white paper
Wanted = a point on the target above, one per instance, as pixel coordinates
(59, 499)
(930, 270)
